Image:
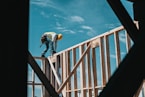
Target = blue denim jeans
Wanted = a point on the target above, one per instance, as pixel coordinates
(49, 45)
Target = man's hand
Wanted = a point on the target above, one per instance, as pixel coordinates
(41, 45)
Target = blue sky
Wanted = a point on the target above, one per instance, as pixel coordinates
(77, 20)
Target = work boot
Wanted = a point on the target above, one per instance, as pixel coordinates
(42, 56)
(53, 52)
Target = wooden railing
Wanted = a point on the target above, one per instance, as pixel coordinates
(84, 69)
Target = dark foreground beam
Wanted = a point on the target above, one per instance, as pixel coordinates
(124, 18)
(128, 77)
(41, 76)
(130, 74)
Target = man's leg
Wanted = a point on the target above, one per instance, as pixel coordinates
(46, 49)
(52, 51)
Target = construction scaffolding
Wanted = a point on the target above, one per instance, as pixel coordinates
(84, 69)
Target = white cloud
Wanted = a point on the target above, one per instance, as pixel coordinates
(44, 14)
(122, 37)
(42, 3)
(46, 3)
(59, 16)
(58, 24)
(63, 29)
(113, 56)
(87, 27)
(68, 31)
(123, 53)
(76, 19)
(60, 28)
(90, 31)
(111, 26)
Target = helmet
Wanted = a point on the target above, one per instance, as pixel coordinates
(59, 37)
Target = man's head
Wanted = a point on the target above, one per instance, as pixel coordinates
(59, 36)
(43, 39)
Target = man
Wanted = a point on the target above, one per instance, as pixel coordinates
(50, 40)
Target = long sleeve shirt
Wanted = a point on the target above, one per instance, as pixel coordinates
(52, 36)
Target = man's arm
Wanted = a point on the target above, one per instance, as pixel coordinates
(41, 45)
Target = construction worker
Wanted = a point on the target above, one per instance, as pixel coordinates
(50, 40)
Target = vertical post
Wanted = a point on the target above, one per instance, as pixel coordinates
(102, 60)
(95, 92)
(82, 72)
(75, 73)
(107, 57)
(117, 48)
(89, 80)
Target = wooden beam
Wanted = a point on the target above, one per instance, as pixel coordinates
(54, 71)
